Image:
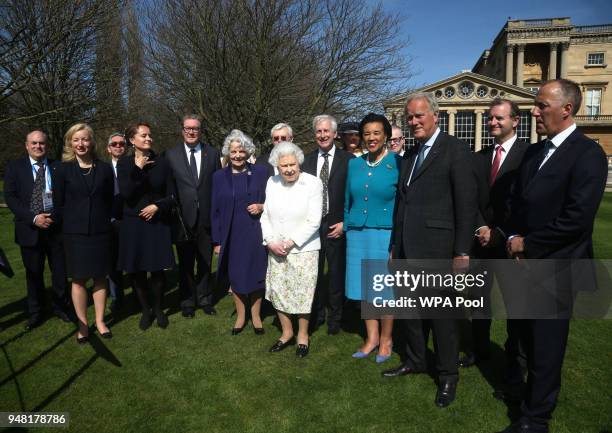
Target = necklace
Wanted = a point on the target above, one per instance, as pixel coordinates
(375, 164)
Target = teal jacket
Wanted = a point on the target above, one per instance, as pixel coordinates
(370, 192)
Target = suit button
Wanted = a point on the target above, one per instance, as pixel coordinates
(370, 173)
(365, 211)
(365, 198)
(366, 185)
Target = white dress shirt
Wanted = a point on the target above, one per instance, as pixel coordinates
(557, 140)
(35, 169)
(197, 154)
(320, 161)
(506, 145)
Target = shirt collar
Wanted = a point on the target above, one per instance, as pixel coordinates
(197, 147)
(331, 151)
(558, 139)
(33, 161)
(432, 139)
(507, 145)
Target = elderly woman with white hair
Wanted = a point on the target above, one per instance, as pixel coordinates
(238, 194)
(290, 225)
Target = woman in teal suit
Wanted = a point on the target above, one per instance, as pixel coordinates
(368, 218)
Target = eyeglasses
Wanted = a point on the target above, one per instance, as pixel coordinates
(279, 138)
(116, 143)
(191, 129)
(396, 139)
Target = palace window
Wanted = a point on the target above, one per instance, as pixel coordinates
(592, 102)
(466, 89)
(464, 127)
(482, 91)
(595, 59)
(449, 92)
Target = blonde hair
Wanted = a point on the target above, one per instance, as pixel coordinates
(68, 152)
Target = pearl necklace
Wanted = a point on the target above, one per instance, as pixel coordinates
(377, 163)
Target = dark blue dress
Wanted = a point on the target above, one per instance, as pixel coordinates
(243, 258)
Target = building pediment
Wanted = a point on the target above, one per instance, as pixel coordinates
(467, 88)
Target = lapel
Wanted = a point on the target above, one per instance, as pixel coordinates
(556, 159)
(512, 160)
(29, 176)
(203, 161)
(334, 168)
(310, 162)
(433, 153)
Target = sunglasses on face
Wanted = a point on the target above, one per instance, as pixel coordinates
(117, 144)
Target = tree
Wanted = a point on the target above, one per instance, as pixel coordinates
(249, 64)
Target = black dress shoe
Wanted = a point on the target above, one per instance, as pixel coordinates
(402, 370)
(82, 340)
(162, 319)
(259, 331)
(521, 427)
(446, 393)
(209, 309)
(236, 331)
(512, 394)
(280, 345)
(63, 316)
(108, 334)
(33, 322)
(189, 313)
(467, 361)
(333, 329)
(301, 351)
(145, 321)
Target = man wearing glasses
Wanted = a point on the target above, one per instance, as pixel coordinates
(193, 164)
(116, 148)
(397, 141)
(279, 132)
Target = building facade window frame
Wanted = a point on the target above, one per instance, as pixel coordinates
(465, 127)
(596, 58)
(592, 101)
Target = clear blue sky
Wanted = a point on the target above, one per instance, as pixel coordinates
(448, 36)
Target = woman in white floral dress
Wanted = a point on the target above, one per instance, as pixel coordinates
(290, 226)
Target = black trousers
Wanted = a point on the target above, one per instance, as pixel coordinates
(445, 346)
(116, 276)
(50, 247)
(195, 258)
(545, 341)
(330, 296)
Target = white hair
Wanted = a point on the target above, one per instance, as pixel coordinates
(285, 148)
(323, 117)
(113, 135)
(429, 97)
(281, 126)
(240, 137)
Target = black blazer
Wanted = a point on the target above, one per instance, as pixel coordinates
(554, 208)
(494, 200)
(193, 195)
(86, 211)
(336, 183)
(142, 187)
(435, 214)
(18, 185)
(263, 161)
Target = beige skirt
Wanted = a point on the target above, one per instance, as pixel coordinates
(291, 281)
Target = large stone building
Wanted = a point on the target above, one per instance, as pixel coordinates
(524, 54)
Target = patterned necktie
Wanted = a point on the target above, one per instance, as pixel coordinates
(496, 163)
(36, 202)
(324, 175)
(193, 165)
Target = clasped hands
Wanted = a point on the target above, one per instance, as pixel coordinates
(43, 220)
(281, 248)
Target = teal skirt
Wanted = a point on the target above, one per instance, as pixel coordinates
(366, 244)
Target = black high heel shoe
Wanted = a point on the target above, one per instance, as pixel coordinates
(236, 331)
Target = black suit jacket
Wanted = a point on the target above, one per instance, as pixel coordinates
(435, 214)
(494, 200)
(263, 161)
(86, 211)
(193, 195)
(554, 208)
(336, 183)
(18, 185)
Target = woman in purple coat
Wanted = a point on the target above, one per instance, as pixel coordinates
(238, 194)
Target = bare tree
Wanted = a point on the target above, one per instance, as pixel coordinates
(250, 64)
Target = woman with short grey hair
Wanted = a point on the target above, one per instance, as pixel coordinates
(290, 225)
(238, 194)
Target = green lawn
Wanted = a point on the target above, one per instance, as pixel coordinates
(195, 377)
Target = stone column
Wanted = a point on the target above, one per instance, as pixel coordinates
(509, 62)
(478, 133)
(552, 61)
(534, 135)
(520, 62)
(451, 121)
(564, 48)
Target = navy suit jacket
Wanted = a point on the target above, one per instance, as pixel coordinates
(87, 211)
(554, 208)
(18, 185)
